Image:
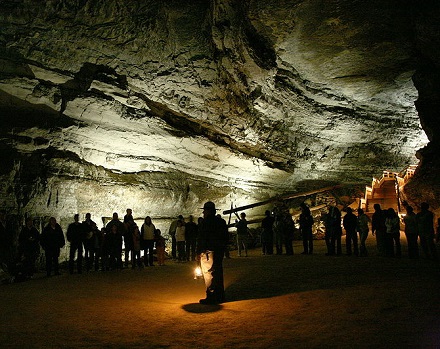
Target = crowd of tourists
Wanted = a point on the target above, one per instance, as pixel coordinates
(119, 243)
(385, 225)
(115, 246)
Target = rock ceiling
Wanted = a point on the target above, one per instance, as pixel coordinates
(160, 105)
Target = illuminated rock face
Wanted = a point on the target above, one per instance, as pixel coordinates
(161, 105)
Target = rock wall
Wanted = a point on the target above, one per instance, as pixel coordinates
(161, 105)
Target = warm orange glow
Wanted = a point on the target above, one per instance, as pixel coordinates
(198, 273)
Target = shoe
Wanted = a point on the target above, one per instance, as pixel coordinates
(210, 301)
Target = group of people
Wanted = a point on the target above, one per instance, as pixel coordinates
(418, 227)
(206, 242)
(108, 245)
(277, 233)
(385, 226)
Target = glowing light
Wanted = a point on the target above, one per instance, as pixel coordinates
(198, 273)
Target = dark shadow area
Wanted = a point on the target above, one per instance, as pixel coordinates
(279, 275)
(201, 308)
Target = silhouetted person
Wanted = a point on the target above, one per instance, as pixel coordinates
(6, 238)
(392, 224)
(333, 231)
(306, 225)
(116, 240)
(128, 215)
(267, 233)
(425, 228)
(128, 235)
(211, 242)
(411, 234)
(160, 247)
(172, 233)
(52, 240)
(29, 247)
(191, 239)
(147, 241)
(180, 241)
(379, 229)
(76, 236)
(363, 229)
(350, 223)
(289, 230)
(91, 243)
(113, 240)
(136, 248)
(242, 234)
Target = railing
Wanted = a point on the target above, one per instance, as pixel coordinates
(387, 176)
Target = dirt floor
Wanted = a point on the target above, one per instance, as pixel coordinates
(300, 301)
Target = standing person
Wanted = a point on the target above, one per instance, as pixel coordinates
(350, 223)
(211, 243)
(172, 233)
(147, 241)
(6, 238)
(410, 221)
(392, 224)
(180, 241)
(105, 249)
(128, 236)
(128, 215)
(379, 229)
(425, 228)
(333, 231)
(267, 233)
(52, 240)
(160, 247)
(279, 230)
(242, 233)
(91, 251)
(363, 229)
(191, 238)
(289, 230)
(29, 246)
(113, 240)
(136, 247)
(305, 225)
(116, 237)
(76, 236)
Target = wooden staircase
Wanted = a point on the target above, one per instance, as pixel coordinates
(382, 192)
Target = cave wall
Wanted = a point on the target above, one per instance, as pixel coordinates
(160, 105)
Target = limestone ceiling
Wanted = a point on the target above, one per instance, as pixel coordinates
(252, 94)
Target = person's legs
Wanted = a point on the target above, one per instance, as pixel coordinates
(206, 262)
(79, 259)
(396, 238)
(72, 251)
(354, 237)
(49, 262)
(348, 240)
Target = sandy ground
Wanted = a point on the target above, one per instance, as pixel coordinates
(298, 301)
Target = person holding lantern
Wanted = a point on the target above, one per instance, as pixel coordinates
(211, 243)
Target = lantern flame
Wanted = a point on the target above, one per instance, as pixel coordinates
(197, 273)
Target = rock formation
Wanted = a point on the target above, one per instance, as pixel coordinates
(161, 105)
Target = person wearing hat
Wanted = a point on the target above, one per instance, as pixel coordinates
(211, 243)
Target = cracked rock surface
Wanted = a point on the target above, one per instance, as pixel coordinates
(161, 105)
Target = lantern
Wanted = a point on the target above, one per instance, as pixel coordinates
(198, 273)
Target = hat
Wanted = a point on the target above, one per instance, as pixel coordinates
(209, 206)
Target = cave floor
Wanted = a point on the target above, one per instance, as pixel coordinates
(272, 301)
